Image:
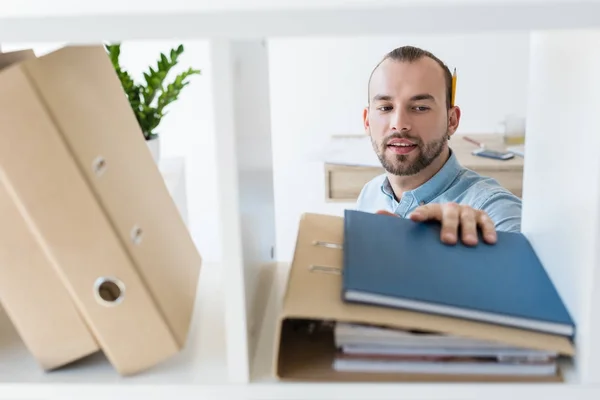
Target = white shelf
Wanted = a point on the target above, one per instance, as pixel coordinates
(83, 23)
(36, 8)
(204, 368)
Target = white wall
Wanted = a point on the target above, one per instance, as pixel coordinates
(318, 89)
(561, 182)
(187, 131)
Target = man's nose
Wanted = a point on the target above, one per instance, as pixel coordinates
(400, 121)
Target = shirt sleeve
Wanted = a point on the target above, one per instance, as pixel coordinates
(504, 208)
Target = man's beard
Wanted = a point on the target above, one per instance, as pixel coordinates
(396, 164)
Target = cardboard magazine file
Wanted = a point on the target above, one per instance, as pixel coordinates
(75, 162)
(312, 303)
(34, 298)
(31, 293)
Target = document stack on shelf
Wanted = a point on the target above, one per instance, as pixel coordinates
(397, 263)
(378, 298)
(382, 349)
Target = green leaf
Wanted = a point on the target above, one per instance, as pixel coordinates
(141, 97)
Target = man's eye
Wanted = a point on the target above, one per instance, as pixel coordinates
(421, 108)
(384, 108)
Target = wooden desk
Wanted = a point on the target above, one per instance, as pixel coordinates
(343, 183)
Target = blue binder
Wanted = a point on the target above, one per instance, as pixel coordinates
(395, 262)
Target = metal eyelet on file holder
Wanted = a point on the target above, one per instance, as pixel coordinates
(136, 235)
(328, 244)
(325, 269)
(99, 165)
(109, 291)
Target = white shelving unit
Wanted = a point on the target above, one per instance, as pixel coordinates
(230, 347)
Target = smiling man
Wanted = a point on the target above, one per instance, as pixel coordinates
(410, 119)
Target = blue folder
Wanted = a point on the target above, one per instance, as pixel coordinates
(395, 262)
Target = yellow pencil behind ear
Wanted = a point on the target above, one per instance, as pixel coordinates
(453, 87)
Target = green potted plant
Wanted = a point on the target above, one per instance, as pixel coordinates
(150, 98)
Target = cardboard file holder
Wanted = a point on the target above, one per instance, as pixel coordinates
(89, 201)
(312, 303)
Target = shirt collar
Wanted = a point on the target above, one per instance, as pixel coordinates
(434, 186)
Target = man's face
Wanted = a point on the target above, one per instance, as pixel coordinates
(407, 117)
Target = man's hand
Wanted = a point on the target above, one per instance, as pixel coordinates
(452, 216)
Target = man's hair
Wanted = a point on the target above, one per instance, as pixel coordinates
(410, 54)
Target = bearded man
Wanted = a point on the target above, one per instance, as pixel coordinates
(410, 118)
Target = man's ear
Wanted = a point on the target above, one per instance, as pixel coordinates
(453, 119)
(366, 119)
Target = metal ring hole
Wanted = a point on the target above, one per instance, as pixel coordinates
(325, 269)
(99, 166)
(136, 235)
(329, 245)
(109, 291)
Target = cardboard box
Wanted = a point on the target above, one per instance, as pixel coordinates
(31, 293)
(304, 347)
(34, 297)
(75, 164)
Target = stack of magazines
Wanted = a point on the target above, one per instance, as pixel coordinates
(367, 348)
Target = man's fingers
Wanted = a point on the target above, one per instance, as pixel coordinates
(487, 226)
(468, 226)
(454, 217)
(450, 222)
(427, 213)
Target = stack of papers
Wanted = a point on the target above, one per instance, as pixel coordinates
(367, 348)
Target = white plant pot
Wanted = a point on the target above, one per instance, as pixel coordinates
(154, 147)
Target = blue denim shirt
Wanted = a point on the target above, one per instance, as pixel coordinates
(452, 183)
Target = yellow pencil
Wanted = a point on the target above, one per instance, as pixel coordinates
(453, 87)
